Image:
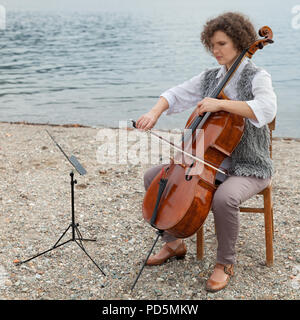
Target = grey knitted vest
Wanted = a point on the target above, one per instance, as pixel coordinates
(251, 157)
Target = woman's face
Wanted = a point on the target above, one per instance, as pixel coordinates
(223, 49)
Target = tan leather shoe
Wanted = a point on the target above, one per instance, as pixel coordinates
(224, 273)
(166, 253)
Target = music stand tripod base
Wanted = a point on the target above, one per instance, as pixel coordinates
(75, 231)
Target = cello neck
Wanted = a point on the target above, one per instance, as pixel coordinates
(228, 74)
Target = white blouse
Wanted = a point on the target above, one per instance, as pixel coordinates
(263, 105)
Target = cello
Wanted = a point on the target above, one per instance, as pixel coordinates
(179, 198)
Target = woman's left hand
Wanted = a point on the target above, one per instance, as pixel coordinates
(209, 105)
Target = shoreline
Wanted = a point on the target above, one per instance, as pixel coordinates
(78, 125)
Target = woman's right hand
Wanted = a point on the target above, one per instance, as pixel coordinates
(147, 121)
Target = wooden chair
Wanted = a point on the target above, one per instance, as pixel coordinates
(267, 210)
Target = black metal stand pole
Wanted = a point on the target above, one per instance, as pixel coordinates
(75, 231)
(159, 234)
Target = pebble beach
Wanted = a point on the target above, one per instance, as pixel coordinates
(35, 209)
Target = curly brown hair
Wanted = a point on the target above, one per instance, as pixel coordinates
(236, 26)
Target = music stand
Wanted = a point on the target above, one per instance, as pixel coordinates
(79, 168)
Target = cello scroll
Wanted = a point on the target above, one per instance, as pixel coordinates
(265, 32)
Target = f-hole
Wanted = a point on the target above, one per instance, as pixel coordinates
(187, 177)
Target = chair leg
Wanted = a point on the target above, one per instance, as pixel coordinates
(200, 243)
(268, 227)
(272, 222)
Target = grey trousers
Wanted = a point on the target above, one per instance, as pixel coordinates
(225, 207)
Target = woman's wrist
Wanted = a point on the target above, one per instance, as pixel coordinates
(160, 107)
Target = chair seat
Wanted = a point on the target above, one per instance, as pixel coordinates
(266, 188)
(264, 192)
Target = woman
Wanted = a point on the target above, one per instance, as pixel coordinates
(250, 167)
